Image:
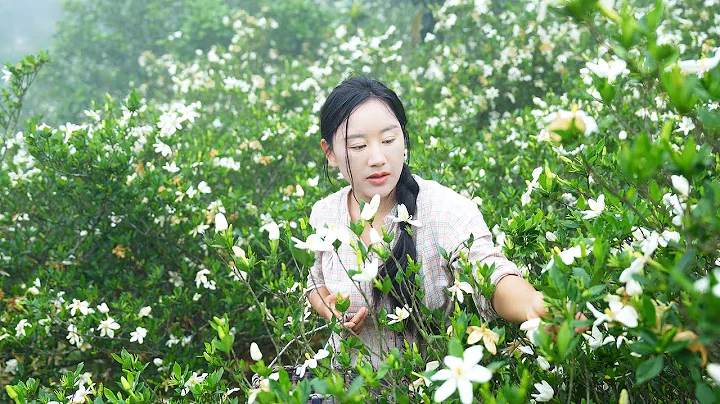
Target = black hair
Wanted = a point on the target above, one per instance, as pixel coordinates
(336, 110)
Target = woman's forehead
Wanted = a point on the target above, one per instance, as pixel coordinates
(371, 117)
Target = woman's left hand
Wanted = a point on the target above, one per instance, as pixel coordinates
(538, 309)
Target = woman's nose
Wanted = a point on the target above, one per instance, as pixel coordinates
(377, 156)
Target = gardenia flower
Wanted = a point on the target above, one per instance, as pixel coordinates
(369, 272)
(7, 75)
(311, 362)
(460, 374)
(545, 392)
(314, 243)
(633, 287)
(370, 209)
(713, 370)
(607, 70)
(81, 396)
(595, 339)
(331, 232)
(700, 66)
(138, 335)
(617, 311)
(103, 308)
(193, 381)
(273, 230)
(457, 289)
(220, 222)
(681, 185)
(488, 337)
(73, 336)
(83, 307)
(171, 168)
(596, 207)
(416, 386)
(525, 198)
(145, 311)
(401, 313)
(255, 353)
(531, 327)
(20, 328)
(685, 126)
(564, 120)
(11, 366)
(404, 216)
(108, 327)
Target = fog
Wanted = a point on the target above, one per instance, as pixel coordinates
(26, 27)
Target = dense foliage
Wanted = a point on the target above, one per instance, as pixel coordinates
(145, 248)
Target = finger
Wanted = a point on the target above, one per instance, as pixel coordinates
(359, 315)
(360, 326)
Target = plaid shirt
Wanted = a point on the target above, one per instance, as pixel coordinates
(447, 219)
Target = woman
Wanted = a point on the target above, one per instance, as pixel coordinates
(363, 128)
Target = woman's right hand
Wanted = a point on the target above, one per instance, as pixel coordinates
(356, 323)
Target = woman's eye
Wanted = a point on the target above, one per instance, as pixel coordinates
(357, 147)
(388, 141)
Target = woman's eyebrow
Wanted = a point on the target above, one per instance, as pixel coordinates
(385, 129)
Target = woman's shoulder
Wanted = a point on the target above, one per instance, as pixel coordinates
(328, 208)
(438, 201)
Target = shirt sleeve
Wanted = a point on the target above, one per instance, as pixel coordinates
(470, 221)
(315, 277)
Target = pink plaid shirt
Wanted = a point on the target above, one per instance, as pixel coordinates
(447, 219)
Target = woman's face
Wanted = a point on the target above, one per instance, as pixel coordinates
(375, 149)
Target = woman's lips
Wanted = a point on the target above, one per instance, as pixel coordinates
(378, 180)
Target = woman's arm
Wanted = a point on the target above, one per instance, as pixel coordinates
(516, 300)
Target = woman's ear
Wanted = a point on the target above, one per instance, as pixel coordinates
(329, 154)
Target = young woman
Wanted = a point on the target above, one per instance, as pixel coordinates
(364, 135)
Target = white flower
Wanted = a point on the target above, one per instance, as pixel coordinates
(193, 381)
(145, 311)
(423, 380)
(685, 126)
(81, 396)
(369, 272)
(596, 207)
(460, 374)
(404, 216)
(681, 185)
(172, 341)
(457, 289)
(401, 314)
(617, 311)
(11, 366)
(175, 279)
(371, 208)
(273, 230)
(545, 392)
(543, 363)
(103, 308)
(108, 327)
(255, 353)
(73, 336)
(172, 167)
(6, 75)
(138, 335)
(713, 370)
(531, 327)
(701, 66)
(168, 123)
(550, 236)
(20, 328)
(204, 188)
(220, 222)
(299, 192)
(201, 278)
(83, 307)
(314, 243)
(331, 232)
(607, 70)
(596, 340)
(162, 148)
(311, 363)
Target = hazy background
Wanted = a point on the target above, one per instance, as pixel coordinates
(26, 27)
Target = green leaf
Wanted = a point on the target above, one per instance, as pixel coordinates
(649, 369)
(704, 393)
